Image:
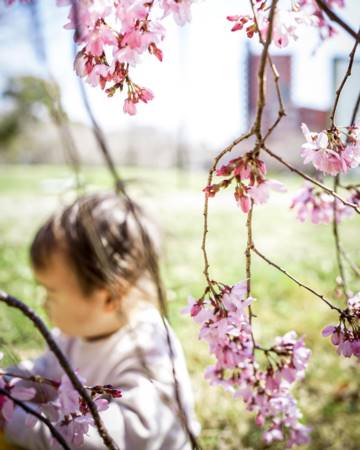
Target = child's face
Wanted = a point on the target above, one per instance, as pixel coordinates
(67, 306)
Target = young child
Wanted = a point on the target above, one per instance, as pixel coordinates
(91, 259)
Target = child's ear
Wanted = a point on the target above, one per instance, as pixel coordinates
(111, 302)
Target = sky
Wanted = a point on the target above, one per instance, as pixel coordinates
(200, 87)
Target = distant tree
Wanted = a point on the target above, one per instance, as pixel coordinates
(33, 100)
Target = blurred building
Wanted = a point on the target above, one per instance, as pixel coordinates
(205, 90)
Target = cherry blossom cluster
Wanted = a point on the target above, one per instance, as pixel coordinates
(67, 412)
(248, 173)
(287, 20)
(114, 35)
(225, 325)
(318, 206)
(332, 151)
(346, 335)
(324, 25)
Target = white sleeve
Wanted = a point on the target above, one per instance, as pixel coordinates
(46, 364)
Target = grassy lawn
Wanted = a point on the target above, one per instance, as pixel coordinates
(329, 396)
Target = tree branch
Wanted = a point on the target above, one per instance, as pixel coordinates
(335, 18)
(347, 75)
(255, 250)
(335, 230)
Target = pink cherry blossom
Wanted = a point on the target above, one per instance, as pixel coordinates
(98, 38)
(324, 26)
(260, 193)
(224, 324)
(70, 413)
(114, 35)
(194, 307)
(318, 206)
(16, 391)
(328, 153)
(98, 74)
(346, 335)
(180, 9)
(285, 25)
(129, 107)
(353, 305)
(249, 175)
(287, 21)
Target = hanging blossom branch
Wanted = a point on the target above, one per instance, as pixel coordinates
(221, 310)
(336, 218)
(224, 312)
(127, 31)
(73, 379)
(335, 227)
(342, 84)
(276, 78)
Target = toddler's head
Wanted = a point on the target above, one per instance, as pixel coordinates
(92, 261)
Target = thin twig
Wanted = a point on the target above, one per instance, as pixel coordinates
(349, 186)
(39, 324)
(354, 267)
(56, 109)
(206, 202)
(342, 84)
(249, 245)
(336, 234)
(33, 378)
(322, 297)
(276, 77)
(261, 72)
(355, 110)
(54, 432)
(335, 18)
(281, 111)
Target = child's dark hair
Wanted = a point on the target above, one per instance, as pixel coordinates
(101, 239)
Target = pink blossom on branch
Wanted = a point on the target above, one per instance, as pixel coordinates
(325, 27)
(328, 152)
(223, 316)
(346, 335)
(318, 206)
(181, 10)
(114, 35)
(248, 173)
(289, 17)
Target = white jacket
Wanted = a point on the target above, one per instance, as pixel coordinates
(145, 417)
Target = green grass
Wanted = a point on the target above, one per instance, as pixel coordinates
(329, 395)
